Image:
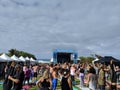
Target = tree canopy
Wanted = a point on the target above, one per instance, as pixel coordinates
(20, 53)
(86, 59)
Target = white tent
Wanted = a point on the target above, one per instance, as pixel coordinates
(1, 60)
(15, 58)
(95, 60)
(5, 57)
(27, 58)
(22, 58)
(31, 59)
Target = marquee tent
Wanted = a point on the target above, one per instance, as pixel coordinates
(22, 58)
(31, 59)
(95, 60)
(27, 58)
(5, 57)
(15, 58)
(1, 60)
(107, 59)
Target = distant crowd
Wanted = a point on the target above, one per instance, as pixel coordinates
(97, 76)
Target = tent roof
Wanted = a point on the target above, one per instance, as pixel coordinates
(22, 58)
(107, 59)
(95, 60)
(14, 58)
(1, 60)
(5, 57)
(27, 58)
(31, 59)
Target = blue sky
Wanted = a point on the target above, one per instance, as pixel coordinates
(40, 26)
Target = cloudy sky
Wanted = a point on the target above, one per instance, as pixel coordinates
(40, 26)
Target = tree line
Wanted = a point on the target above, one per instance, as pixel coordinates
(19, 53)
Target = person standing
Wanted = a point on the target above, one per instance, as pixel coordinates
(35, 69)
(92, 79)
(101, 78)
(54, 78)
(17, 78)
(66, 82)
(72, 73)
(113, 76)
(81, 76)
(7, 84)
(44, 83)
(27, 74)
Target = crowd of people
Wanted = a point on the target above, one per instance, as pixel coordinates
(95, 76)
(100, 76)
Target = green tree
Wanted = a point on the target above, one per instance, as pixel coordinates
(20, 53)
(88, 59)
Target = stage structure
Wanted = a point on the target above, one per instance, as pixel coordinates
(63, 55)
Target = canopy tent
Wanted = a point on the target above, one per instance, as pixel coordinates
(95, 60)
(27, 58)
(15, 58)
(22, 58)
(1, 60)
(5, 57)
(107, 59)
(31, 59)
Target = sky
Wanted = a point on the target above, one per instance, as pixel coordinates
(40, 26)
